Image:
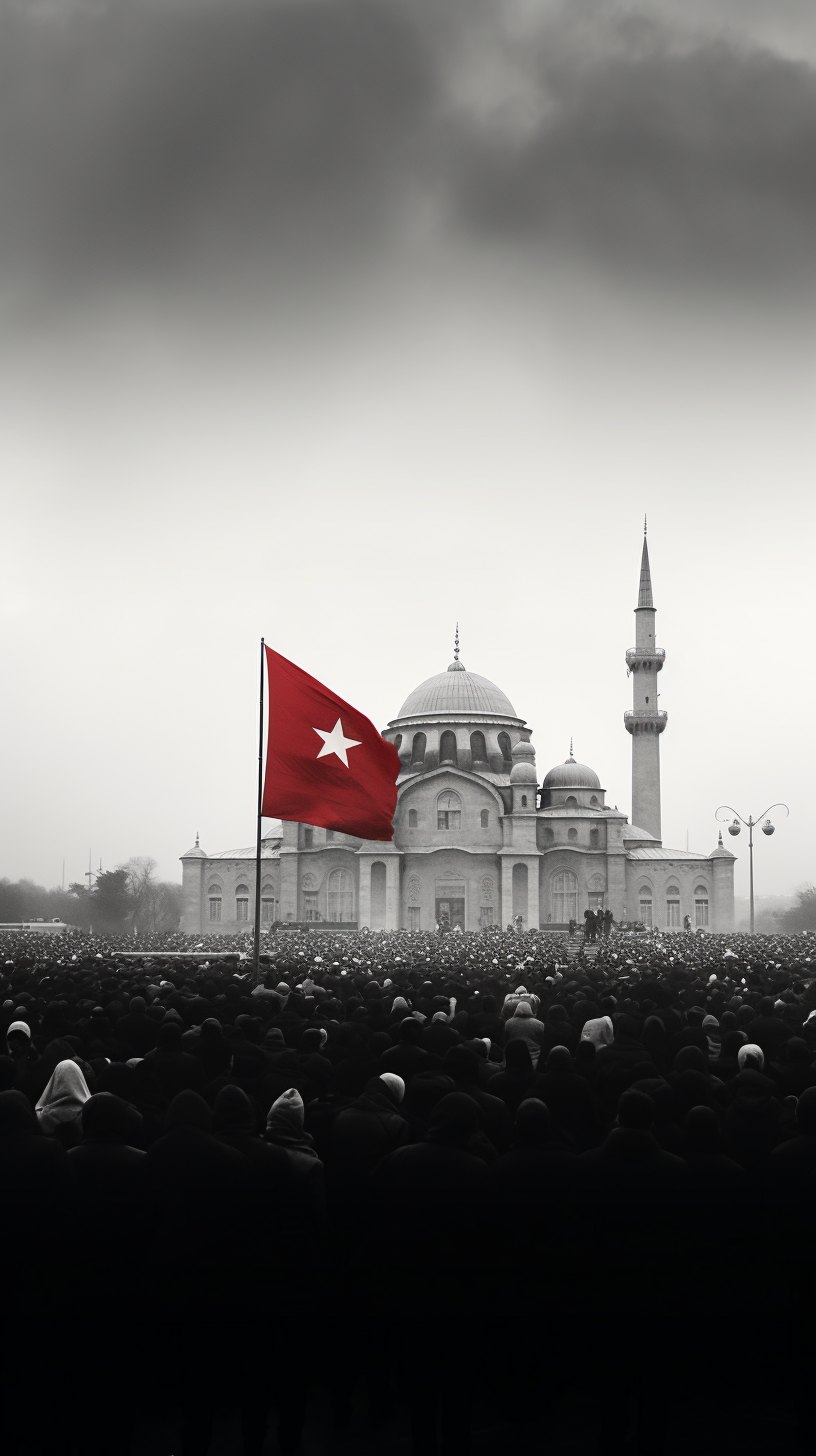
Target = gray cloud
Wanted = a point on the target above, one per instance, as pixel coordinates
(659, 151)
(145, 138)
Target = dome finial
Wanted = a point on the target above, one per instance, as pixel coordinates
(197, 845)
(571, 752)
(644, 525)
(456, 644)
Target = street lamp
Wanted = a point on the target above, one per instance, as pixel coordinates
(751, 824)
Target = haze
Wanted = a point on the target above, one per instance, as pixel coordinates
(343, 322)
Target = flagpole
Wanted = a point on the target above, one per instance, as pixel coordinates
(256, 958)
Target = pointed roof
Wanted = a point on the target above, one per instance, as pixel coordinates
(645, 593)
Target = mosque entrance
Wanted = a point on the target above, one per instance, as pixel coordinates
(451, 911)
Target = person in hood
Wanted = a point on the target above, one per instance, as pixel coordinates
(285, 1129)
(59, 1108)
(753, 1120)
(524, 1026)
(362, 1135)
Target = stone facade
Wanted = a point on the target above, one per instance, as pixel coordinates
(475, 838)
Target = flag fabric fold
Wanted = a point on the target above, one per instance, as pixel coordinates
(326, 764)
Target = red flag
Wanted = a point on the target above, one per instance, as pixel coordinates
(326, 763)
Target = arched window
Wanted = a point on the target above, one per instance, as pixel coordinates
(340, 896)
(594, 838)
(398, 742)
(418, 748)
(645, 905)
(565, 897)
(484, 819)
(329, 835)
(505, 746)
(214, 902)
(242, 902)
(571, 802)
(549, 835)
(700, 905)
(673, 907)
(572, 835)
(524, 801)
(267, 902)
(478, 748)
(412, 819)
(308, 838)
(447, 747)
(448, 810)
(378, 896)
(594, 801)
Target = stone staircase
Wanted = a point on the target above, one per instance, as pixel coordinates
(574, 944)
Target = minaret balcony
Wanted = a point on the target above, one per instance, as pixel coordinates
(649, 661)
(643, 722)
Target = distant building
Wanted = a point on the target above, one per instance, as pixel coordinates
(476, 841)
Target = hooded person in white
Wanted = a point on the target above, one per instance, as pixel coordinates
(63, 1099)
(600, 1031)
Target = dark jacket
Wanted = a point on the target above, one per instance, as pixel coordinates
(362, 1135)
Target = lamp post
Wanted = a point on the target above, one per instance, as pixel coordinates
(750, 823)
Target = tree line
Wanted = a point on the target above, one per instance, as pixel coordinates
(130, 897)
(801, 916)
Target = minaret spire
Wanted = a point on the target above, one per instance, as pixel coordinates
(645, 592)
(646, 720)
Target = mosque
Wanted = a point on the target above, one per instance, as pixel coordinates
(476, 840)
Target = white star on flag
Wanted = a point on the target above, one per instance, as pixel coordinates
(334, 742)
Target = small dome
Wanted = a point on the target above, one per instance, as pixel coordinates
(571, 775)
(523, 770)
(524, 749)
(195, 853)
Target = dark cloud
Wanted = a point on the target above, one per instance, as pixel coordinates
(149, 136)
(658, 151)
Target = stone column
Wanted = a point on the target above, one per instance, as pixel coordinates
(616, 885)
(288, 884)
(506, 861)
(532, 894)
(364, 892)
(392, 892)
(192, 881)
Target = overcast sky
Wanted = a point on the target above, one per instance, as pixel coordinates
(339, 322)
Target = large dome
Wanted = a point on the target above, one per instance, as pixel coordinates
(456, 691)
(571, 775)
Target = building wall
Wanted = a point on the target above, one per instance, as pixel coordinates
(657, 876)
(590, 872)
(200, 876)
(426, 877)
(422, 795)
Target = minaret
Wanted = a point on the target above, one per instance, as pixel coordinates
(645, 722)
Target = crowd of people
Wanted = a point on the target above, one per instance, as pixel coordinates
(400, 1145)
